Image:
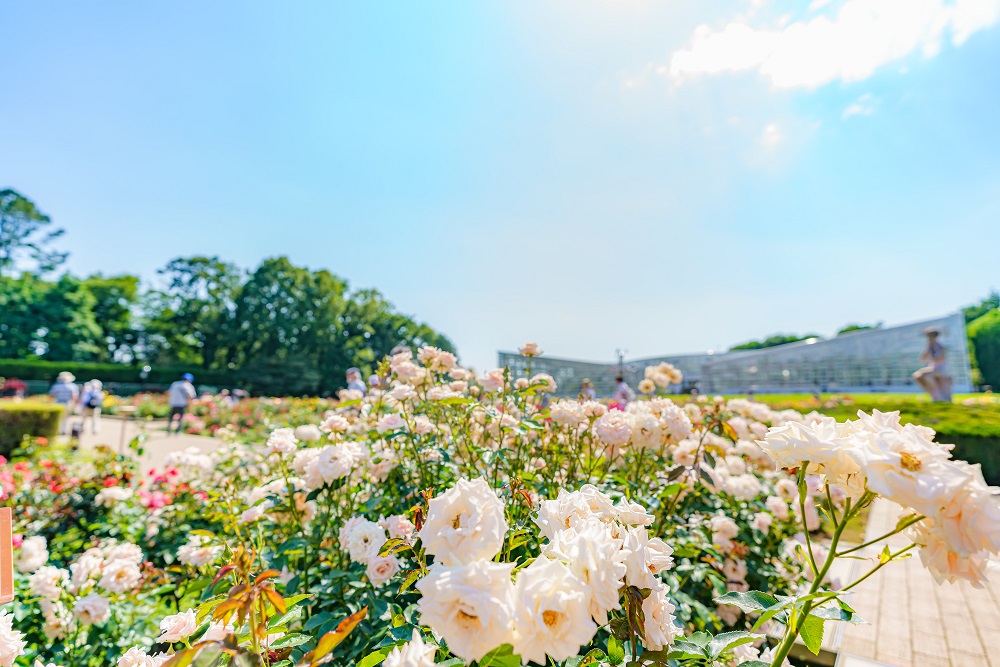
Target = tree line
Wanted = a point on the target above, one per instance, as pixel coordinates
(279, 328)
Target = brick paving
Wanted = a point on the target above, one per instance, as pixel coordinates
(914, 622)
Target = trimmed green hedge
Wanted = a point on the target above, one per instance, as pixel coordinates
(18, 419)
(33, 369)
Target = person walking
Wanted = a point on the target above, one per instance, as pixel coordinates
(354, 381)
(179, 396)
(934, 378)
(587, 390)
(91, 402)
(623, 394)
(65, 393)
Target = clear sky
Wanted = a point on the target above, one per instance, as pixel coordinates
(659, 176)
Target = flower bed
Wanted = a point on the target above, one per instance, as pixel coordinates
(455, 519)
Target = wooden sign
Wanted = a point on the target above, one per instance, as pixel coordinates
(6, 556)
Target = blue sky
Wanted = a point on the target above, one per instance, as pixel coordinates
(664, 177)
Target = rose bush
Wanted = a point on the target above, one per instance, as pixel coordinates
(452, 518)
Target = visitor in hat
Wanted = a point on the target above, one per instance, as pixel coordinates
(65, 393)
(354, 381)
(179, 396)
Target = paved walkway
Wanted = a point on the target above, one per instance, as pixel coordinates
(914, 622)
(117, 433)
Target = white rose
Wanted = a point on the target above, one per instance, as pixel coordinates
(646, 431)
(660, 627)
(414, 653)
(112, 495)
(178, 627)
(120, 576)
(381, 569)
(632, 514)
(11, 641)
(390, 422)
(308, 433)
(282, 441)
(126, 551)
(464, 524)
(567, 412)
(470, 606)
(364, 540)
(87, 567)
(762, 521)
(198, 552)
(92, 609)
(217, 631)
(597, 559)
(257, 512)
(48, 582)
(33, 554)
(552, 612)
(613, 428)
(492, 381)
(777, 507)
(398, 526)
(646, 557)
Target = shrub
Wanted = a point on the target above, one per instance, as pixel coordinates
(38, 369)
(19, 419)
(984, 334)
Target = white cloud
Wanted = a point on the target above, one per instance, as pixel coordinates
(771, 135)
(848, 45)
(863, 106)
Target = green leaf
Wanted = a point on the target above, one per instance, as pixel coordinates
(208, 656)
(616, 651)
(750, 601)
(729, 640)
(885, 556)
(390, 546)
(291, 615)
(290, 640)
(812, 633)
(317, 620)
(411, 578)
(373, 659)
(838, 614)
(700, 639)
(502, 656)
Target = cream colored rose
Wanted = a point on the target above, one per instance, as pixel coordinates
(178, 627)
(381, 569)
(48, 582)
(659, 624)
(613, 428)
(552, 617)
(647, 557)
(464, 524)
(414, 653)
(597, 559)
(92, 609)
(470, 606)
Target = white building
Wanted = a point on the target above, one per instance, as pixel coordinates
(869, 360)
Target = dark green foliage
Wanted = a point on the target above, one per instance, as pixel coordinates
(23, 234)
(38, 369)
(859, 327)
(984, 335)
(990, 303)
(772, 341)
(18, 420)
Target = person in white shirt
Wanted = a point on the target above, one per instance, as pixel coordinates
(587, 390)
(65, 393)
(355, 382)
(179, 396)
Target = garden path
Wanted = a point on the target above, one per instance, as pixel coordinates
(117, 433)
(913, 621)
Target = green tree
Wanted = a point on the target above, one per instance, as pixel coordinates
(115, 301)
(51, 320)
(773, 341)
(984, 334)
(286, 327)
(186, 320)
(24, 233)
(859, 327)
(990, 303)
